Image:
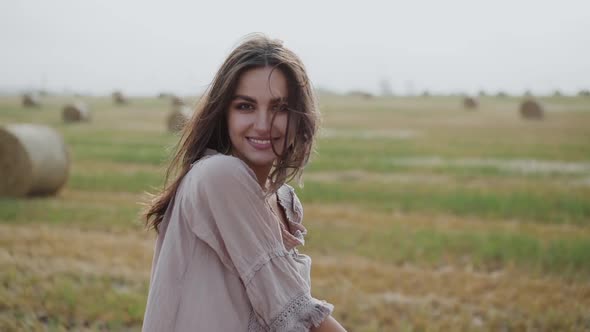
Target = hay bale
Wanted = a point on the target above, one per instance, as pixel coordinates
(76, 112)
(178, 118)
(361, 94)
(33, 160)
(177, 101)
(530, 109)
(30, 100)
(470, 103)
(119, 98)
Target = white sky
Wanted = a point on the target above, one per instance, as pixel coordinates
(145, 47)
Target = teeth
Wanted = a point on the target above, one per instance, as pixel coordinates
(260, 141)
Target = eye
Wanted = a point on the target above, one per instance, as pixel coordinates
(280, 107)
(244, 106)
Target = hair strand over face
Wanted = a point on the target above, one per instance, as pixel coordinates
(207, 128)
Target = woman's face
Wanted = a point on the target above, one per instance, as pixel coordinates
(261, 93)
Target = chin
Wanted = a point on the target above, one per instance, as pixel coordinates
(261, 161)
(256, 159)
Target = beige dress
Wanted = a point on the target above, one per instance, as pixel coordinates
(220, 263)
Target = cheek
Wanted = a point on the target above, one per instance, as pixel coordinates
(234, 124)
(292, 129)
(280, 123)
(281, 126)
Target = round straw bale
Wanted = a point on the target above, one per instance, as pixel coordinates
(177, 101)
(119, 98)
(470, 103)
(33, 160)
(178, 118)
(530, 109)
(76, 112)
(367, 95)
(30, 100)
(359, 93)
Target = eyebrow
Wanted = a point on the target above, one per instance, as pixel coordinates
(252, 100)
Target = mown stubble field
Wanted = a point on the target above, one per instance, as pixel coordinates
(422, 216)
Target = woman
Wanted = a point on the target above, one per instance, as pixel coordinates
(228, 224)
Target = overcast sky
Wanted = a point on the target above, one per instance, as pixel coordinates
(144, 47)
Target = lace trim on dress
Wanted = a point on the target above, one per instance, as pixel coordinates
(254, 325)
(300, 314)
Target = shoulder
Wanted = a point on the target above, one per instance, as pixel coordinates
(222, 171)
(221, 165)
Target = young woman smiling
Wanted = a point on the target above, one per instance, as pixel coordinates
(228, 224)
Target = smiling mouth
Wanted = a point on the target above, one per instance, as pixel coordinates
(261, 143)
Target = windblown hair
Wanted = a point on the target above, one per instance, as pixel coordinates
(207, 128)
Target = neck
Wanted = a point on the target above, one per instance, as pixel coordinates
(261, 172)
(262, 175)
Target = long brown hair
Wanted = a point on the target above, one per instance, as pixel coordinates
(207, 128)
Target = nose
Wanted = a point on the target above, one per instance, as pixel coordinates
(262, 121)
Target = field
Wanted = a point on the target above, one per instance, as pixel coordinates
(422, 216)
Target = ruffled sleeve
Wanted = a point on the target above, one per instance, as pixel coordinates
(293, 211)
(230, 214)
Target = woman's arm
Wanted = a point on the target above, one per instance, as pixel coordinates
(228, 211)
(329, 325)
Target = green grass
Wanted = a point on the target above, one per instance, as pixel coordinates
(349, 153)
(88, 302)
(136, 182)
(487, 250)
(553, 207)
(62, 212)
(534, 223)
